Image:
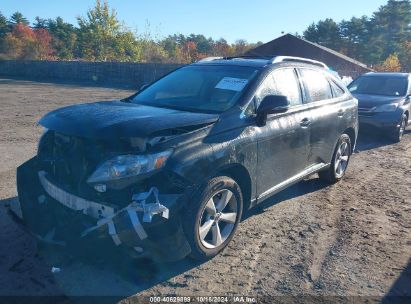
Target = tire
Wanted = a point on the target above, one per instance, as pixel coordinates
(341, 157)
(398, 132)
(204, 212)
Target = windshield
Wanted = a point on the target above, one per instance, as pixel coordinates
(387, 86)
(212, 89)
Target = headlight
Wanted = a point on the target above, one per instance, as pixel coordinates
(128, 165)
(391, 107)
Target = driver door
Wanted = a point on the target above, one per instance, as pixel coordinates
(283, 144)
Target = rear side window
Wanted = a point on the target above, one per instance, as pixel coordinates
(281, 82)
(316, 85)
(337, 90)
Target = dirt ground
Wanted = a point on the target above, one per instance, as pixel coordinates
(349, 239)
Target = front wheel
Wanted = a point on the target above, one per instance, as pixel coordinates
(399, 131)
(339, 162)
(212, 217)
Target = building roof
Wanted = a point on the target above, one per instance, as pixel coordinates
(286, 45)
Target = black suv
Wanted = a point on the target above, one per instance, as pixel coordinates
(170, 170)
(384, 101)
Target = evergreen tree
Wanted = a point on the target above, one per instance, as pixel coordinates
(311, 33)
(355, 35)
(64, 38)
(325, 32)
(3, 25)
(391, 28)
(40, 23)
(17, 18)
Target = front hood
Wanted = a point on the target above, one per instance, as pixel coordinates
(116, 119)
(369, 101)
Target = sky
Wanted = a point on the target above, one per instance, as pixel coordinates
(258, 20)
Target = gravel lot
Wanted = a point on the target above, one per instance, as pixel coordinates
(348, 239)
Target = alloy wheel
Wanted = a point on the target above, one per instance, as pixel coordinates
(402, 129)
(341, 159)
(218, 219)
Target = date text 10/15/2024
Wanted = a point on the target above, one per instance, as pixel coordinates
(202, 299)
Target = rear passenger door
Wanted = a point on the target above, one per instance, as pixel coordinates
(326, 114)
(283, 142)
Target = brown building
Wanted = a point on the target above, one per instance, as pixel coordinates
(290, 45)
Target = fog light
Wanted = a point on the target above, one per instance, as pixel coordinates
(100, 188)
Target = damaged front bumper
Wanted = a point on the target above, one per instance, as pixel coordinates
(147, 226)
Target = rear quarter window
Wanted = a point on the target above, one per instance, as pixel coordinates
(336, 89)
(316, 85)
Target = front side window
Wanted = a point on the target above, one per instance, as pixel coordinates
(201, 88)
(280, 82)
(379, 85)
(316, 85)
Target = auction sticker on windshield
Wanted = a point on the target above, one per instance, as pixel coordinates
(230, 83)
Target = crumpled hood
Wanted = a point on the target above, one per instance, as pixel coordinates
(369, 101)
(116, 119)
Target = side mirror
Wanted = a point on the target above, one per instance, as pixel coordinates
(271, 104)
(143, 86)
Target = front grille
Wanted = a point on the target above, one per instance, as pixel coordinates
(69, 160)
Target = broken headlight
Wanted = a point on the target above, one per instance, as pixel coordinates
(123, 166)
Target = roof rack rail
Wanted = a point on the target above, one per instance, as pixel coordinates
(247, 57)
(234, 57)
(278, 59)
(210, 59)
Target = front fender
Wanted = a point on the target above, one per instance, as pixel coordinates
(204, 159)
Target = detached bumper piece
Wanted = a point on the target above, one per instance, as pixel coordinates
(56, 216)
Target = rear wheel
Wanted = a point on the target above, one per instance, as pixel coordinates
(339, 162)
(212, 217)
(399, 131)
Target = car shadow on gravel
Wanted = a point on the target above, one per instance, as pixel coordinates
(304, 187)
(101, 276)
(371, 139)
(400, 291)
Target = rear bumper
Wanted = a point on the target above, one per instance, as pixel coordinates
(58, 217)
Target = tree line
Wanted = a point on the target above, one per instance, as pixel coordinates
(100, 36)
(382, 40)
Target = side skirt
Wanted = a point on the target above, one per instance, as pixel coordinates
(288, 182)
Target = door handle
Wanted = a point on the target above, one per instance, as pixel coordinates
(340, 113)
(305, 122)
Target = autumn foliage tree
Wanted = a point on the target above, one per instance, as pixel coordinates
(26, 43)
(391, 64)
